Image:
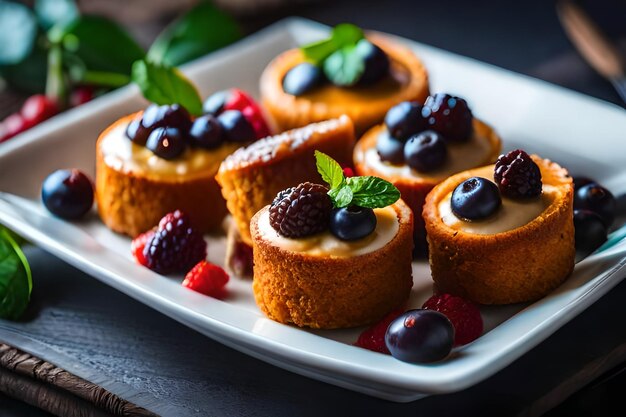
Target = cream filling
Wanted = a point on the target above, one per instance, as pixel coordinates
(461, 156)
(511, 215)
(125, 156)
(326, 244)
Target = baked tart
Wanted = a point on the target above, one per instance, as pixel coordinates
(419, 146)
(156, 161)
(503, 233)
(324, 260)
(251, 177)
(360, 75)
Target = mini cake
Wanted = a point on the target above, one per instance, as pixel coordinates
(323, 267)
(419, 146)
(251, 176)
(502, 234)
(310, 84)
(154, 162)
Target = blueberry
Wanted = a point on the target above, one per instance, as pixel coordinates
(589, 232)
(598, 199)
(425, 151)
(389, 148)
(420, 336)
(137, 133)
(206, 132)
(236, 127)
(302, 78)
(449, 116)
(376, 62)
(215, 103)
(352, 223)
(67, 193)
(173, 115)
(580, 182)
(166, 142)
(404, 120)
(475, 199)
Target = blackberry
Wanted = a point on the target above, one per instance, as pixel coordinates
(301, 211)
(517, 175)
(175, 246)
(449, 116)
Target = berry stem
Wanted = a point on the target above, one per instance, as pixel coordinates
(56, 88)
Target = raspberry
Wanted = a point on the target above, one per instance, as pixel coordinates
(464, 315)
(373, 338)
(175, 246)
(138, 244)
(517, 175)
(208, 279)
(301, 211)
(236, 99)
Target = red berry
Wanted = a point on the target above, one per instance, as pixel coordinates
(14, 124)
(208, 279)
(373, 338)
(138, 244)
(38, 108)
(348, 172)
(239, 100)
(175, 246)
(81, 95)
(464, 315)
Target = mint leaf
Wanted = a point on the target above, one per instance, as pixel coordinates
(343, 35)
(344, 67)
(372, 192)
(162, 84)
(15, 278)
(201, 30)
(346, 34)
(341, 197)
(329, 169)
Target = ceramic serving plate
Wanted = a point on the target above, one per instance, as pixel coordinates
(581, 133)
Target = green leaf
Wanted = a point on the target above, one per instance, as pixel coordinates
(345, 34)
(342, 196)
(342, 35)
(15, 278)
(203, 29)
(51, 12)
(28, 75)
(162, 84)
(344, 67)
(18, 31)
(329, 169)
(372, 192)
(101, 44)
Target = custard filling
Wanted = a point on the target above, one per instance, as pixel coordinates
(511, 215)
(326, 244)
(121, 154)
(461, 157)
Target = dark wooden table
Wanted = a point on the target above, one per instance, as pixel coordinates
(143, 357)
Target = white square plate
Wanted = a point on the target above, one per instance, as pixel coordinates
(581, 133)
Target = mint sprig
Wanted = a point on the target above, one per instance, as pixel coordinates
(15, 277)
(344, 34)
(162, 84)
(338, 55)
(366, 191)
